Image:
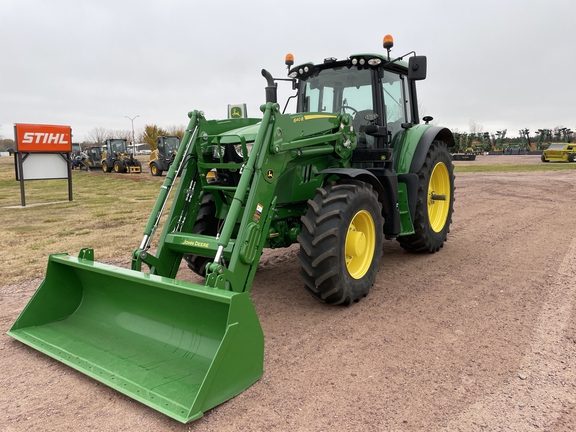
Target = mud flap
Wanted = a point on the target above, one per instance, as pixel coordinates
(178, 347)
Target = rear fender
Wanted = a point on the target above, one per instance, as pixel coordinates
(410, 156)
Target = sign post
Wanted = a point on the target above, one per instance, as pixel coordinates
(42, 153)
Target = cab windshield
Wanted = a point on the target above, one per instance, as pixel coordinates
(339, 90)
(118, 146)
(172, 144)
(343, 90)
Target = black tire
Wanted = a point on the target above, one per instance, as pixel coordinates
(571, 157)
(433, 213)
(543, 159)
(155, 169)
(119, 167)
(333, 269)
(206, 224)
(139, 165)
(105, 167)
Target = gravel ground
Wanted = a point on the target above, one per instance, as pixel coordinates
(480, 336)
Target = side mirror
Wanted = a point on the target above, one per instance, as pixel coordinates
(417, 68)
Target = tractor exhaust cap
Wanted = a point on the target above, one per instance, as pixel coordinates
(271, 88)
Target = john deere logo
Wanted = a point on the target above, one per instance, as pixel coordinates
(236, 112)
(270, 174)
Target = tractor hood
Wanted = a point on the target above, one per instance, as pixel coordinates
(233, 136)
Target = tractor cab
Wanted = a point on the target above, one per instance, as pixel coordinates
(378, 92)
(168, 146)
(117, 146)
(95, 153)
(94, 156)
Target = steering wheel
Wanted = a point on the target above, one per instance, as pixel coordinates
(343, 107)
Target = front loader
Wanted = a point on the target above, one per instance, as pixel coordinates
(117, 158)
(352, 167)
(163, 156)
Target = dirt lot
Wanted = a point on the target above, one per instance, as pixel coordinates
(480, 336)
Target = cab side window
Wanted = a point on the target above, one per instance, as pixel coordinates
(396, 101)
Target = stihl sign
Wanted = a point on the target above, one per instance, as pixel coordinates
(43, 138)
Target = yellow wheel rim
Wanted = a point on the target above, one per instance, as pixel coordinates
(359, 247)
(438, 197)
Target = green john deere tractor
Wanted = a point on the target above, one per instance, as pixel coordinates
(352, 167)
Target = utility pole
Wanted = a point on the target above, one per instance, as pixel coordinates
(133, 140)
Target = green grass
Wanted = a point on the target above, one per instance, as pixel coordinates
(108, 213)
(23, 229)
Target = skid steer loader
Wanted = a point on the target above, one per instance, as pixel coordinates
(163, 156)
(352, 167)
(117, 158)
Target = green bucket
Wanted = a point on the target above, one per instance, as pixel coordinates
(178, 347)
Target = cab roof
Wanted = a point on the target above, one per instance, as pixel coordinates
(361, 61)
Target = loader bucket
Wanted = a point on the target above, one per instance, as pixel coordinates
(178, 347)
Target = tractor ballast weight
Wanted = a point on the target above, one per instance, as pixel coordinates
(336, 182)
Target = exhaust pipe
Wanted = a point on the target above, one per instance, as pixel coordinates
(271, 88)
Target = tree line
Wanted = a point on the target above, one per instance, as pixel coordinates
(147, 135)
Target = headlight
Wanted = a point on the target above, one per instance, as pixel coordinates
(231, 152)
(217, 151)
(238, 149)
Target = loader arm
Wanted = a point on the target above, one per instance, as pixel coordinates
(247, 208)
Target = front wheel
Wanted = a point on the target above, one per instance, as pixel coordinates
(106, 167)
(341, 242)
(434, 202)
(206, 224)
(154, 169)
(119, 167)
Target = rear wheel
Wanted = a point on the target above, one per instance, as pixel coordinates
(341, 242)
(571, 157)
(206, 224)
(434, 202)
